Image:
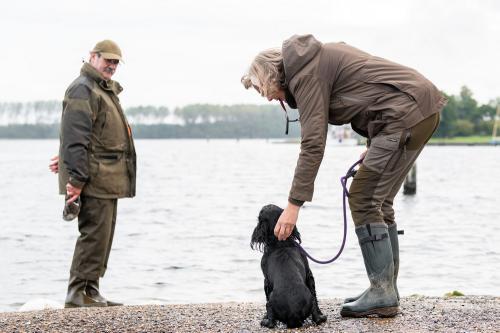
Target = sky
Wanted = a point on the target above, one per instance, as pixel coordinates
(183, 52)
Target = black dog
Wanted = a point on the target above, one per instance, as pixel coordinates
(288, 280)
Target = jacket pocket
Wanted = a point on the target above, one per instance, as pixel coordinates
(109, 173)
(384, 153)
(411, 92)
(343, 101)
(345, 106)
(100, 123)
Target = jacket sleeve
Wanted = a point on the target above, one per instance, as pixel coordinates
(312, 98)
(76, 130)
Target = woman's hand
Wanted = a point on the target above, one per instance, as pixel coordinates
(286, 222)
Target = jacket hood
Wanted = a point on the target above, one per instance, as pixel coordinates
(297, 51)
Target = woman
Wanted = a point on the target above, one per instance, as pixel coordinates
(394, 106)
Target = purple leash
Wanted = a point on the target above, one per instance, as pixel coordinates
(343, 180)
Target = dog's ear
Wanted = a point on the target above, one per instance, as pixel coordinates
(263, 234)
(260, 233)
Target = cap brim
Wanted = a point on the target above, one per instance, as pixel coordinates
(111, 56)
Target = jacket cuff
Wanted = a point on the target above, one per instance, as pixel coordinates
(76, 183)
(295, 202)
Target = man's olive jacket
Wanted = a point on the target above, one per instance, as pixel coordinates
(338, 84)
(96, 146)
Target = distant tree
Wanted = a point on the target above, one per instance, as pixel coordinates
(488, 111)
(463, 127)
(467, 107)
(461, 116)
(448, 118)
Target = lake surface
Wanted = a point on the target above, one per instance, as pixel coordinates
(185, 237)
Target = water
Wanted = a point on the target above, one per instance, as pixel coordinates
(185, 237)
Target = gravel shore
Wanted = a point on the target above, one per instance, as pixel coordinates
(418, 314)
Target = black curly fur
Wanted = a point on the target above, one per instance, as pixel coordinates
(263, 235)
(288, 280)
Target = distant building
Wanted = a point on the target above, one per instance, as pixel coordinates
(343, 135)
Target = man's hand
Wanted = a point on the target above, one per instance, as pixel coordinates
(72, 192)
(286, 222)
(54, 164)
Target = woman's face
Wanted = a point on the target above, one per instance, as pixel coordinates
(277, 94)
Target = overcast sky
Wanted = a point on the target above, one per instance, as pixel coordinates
(183, 52)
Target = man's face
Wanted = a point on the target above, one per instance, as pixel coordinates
(107, 67)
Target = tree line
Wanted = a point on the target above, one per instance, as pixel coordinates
(462, 116)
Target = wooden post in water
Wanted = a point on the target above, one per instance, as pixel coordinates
(410, 185)
(496, 120)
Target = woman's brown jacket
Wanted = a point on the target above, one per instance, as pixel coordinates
(338, 84)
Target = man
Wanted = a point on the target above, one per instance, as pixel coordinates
(97, 163)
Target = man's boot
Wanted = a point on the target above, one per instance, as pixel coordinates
(83, 293)
(95, 286)
(393, 235)
(380, 298)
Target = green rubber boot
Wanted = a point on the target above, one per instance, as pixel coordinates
(352, 299)
(393, 235)
(380, 298)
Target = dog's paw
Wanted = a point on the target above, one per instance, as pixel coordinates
(319, 319)
(268, 323)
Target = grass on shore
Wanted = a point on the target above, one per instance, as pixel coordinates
(464, 139)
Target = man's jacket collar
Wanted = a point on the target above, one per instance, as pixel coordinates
(89, 71)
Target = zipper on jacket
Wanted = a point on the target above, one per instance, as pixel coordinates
(116, 101)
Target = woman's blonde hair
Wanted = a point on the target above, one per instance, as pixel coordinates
(265, 72)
